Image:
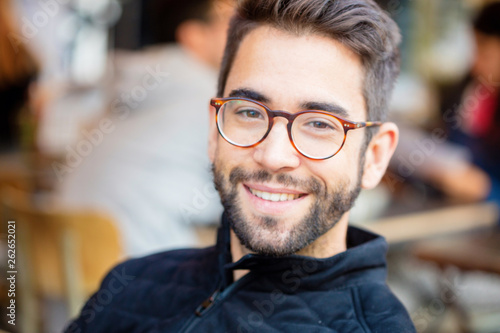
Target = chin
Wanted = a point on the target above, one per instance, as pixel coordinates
(270, 236)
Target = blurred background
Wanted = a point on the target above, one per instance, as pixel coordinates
(104, 112)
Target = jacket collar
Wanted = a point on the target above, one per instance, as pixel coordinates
(365, 251)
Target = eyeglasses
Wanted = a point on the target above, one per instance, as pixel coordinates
(317, 135)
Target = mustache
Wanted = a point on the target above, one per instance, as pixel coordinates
(239, 175)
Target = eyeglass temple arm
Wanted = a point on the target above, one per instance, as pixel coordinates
(362, 124)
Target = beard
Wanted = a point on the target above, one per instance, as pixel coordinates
(268, 236)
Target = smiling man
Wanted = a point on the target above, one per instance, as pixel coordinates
(296, 132)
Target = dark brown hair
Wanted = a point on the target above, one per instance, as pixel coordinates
(360, 25)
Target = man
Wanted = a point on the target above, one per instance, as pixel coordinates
(286, 260)
(151, 171)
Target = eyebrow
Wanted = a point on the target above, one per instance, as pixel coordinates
(318, 106)
(248, 93)
(328, 107)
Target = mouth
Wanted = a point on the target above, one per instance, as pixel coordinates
(275, 201)
(275, 196)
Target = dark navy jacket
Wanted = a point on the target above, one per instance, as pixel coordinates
(192, 291)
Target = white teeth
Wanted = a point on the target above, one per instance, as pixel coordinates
(265, 195)
(274, 196)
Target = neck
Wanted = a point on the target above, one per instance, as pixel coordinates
(237, 252)
(329, 244)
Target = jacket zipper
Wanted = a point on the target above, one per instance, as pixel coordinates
(200, 311)
(206, 304)
(209, 303)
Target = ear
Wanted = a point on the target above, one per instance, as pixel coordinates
(213, 135)
(378, 154)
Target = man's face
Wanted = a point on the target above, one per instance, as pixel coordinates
(286, 72)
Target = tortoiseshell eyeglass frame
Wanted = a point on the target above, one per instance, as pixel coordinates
(348, 125)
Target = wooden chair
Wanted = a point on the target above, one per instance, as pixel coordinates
(61, 253)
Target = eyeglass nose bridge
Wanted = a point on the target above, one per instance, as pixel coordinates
(290, 117)
(281, 113)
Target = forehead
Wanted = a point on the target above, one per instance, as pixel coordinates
(294, 69)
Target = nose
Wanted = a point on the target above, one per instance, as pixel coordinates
(276, 153)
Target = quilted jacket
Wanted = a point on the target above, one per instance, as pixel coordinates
(193, 291)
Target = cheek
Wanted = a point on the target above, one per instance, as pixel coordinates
(341, 168)
(351, 152)
(333, 172)
(228, 156)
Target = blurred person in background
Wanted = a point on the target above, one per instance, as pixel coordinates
(471, 110)
(150, 170)
(462, 155)
(18, 71)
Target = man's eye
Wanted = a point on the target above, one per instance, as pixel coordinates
(320, 125)
(249, 113)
